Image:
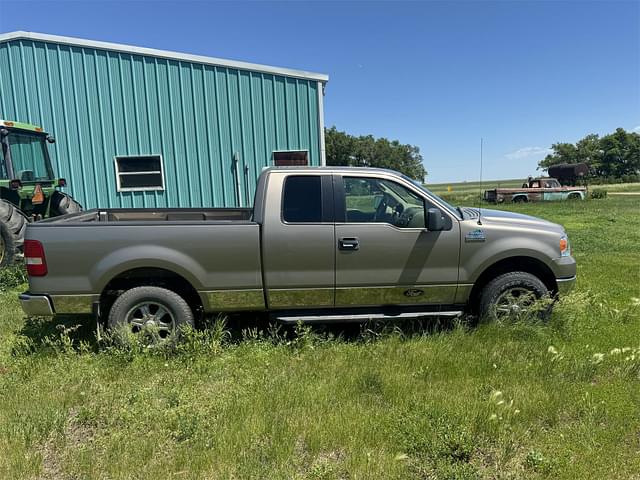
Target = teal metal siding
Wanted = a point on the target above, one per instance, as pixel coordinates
(100, 103)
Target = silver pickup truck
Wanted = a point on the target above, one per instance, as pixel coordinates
(321, 244)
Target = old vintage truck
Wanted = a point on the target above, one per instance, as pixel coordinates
(321, 244)
(536, 189)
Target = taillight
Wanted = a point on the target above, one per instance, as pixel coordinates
(34, 258)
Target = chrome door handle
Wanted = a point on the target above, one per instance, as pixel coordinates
(349, 243)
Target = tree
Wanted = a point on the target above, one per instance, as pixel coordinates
(343, 149)
(614, 155)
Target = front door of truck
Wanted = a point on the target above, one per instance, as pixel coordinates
(384, 253)
(298, 241)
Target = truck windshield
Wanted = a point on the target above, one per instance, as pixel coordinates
(29, 158)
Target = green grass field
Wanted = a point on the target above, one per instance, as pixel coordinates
(469, 192)
(555, 400)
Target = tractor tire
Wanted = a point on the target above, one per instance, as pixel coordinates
(13, 224)
(61, 204)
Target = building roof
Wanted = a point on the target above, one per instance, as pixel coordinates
(118, 47)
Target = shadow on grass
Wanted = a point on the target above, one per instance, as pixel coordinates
(80, 333)
(42, 330)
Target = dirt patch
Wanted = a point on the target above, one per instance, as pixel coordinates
(74, 435)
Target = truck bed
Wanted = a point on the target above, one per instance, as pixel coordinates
(114, 215)
(216, 250)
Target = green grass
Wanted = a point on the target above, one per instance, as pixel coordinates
(468, 193)
(468, 187)
(496, 401)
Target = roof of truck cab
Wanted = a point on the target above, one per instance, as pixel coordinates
(294, 168)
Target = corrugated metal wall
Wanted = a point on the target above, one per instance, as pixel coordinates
(99, 104)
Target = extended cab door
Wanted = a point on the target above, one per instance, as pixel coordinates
(384, 253)
(298, 240)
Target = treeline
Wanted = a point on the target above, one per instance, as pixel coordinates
(613, 157)
(343, 149)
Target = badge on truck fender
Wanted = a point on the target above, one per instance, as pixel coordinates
(476, 235)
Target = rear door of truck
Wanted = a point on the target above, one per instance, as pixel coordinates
(298, 241)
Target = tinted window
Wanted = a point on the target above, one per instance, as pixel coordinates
(302, 199)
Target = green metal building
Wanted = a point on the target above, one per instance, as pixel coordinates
(137, 127)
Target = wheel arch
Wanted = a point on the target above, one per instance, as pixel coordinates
(150, 276)
(527, 264)
(576, 194)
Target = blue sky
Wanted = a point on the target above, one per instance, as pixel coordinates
(522, 75)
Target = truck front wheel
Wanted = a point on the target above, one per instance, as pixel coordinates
(152, 311)
(515, 296)
(12, 226)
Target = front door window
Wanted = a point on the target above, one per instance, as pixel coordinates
(373, 200)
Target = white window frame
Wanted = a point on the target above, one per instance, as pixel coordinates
(297, 150)
(139, 189)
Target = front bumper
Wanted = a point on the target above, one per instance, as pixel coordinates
(36, 305)
(565, 285)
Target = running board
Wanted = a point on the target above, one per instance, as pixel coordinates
(364, 317)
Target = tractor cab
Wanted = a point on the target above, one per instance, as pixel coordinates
(26, 175)
(29, 190)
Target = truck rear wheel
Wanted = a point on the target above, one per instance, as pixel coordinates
(61, 204)
(514, 296)
(12, 227)
(152, 311)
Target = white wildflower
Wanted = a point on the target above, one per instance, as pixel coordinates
(493, 417)
(635, 301)
(626, 349)
(597, 357)
(552, 350)
(615, 351)
(495, 395)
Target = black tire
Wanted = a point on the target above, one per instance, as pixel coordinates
(520, 199)
(508, 296)
(13, 224)
(128, 310)
(61, 204)
(574, 196)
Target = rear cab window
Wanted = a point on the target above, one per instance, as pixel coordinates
(302, 199)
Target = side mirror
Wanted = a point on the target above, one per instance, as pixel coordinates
(435, 223)
(50, 139)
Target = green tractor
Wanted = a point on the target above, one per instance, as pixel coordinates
(29, 190)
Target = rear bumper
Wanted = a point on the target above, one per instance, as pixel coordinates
(565, 285)
(36, 305)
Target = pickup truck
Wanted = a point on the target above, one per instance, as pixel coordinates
(534, 190)
(321, 244)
